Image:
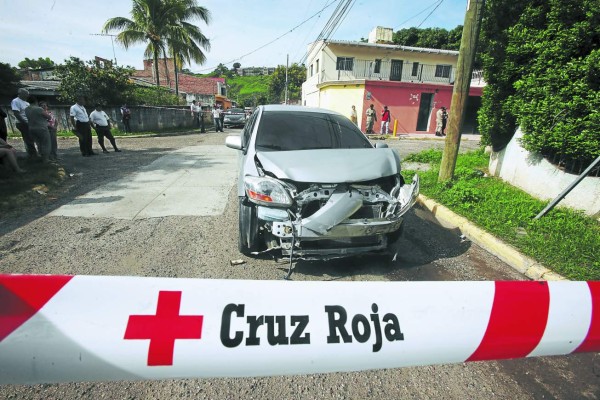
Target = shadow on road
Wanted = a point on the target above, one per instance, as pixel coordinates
(423, 243)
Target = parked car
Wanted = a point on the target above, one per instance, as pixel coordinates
(312, 185)
(234, 117)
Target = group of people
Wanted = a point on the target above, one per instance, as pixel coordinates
(386, 117)
(83, 123)
(217, 112)
(38, 125)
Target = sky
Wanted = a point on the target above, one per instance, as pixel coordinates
(237, 30)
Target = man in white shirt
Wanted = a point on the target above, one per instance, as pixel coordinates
(216, 112)
(195, 109)
(81, 127)
(18, 106)
(101, 124)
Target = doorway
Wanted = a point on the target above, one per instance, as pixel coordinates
(424, 111)
(396, 70)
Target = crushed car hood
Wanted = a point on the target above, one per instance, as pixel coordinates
(331, 165)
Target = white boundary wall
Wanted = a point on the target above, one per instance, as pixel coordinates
(532, 173)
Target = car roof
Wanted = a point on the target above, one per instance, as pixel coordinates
(283, 107)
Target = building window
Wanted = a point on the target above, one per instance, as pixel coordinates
(442, 71)
(415, 70)
(317, 69)
(311, 70)
(377, 68)
(345, 63)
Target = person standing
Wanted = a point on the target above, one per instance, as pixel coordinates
(385, 120)
(37, 120)
(125, 117)
(101, 124)
(217, 118)
(354, 116)
(18, 106)
(371, 118)
(444, 120)
(195, 109)
(52, 122)
(222, 117)
(81, 127)
(440, 121)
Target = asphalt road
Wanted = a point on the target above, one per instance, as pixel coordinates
(196, 246)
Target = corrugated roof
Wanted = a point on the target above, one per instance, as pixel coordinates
(393, 47)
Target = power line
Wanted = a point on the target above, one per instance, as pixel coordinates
(417, 14)
(432, 11)
(336, 18)
(274, 40)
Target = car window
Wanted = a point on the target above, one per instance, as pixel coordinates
(283, 131)
(236, 111)
(247, 132)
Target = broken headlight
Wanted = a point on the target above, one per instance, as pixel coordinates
(267, 191)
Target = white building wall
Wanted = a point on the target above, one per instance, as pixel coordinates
(536, 176)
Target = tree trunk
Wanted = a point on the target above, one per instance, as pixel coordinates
(156, 67)
(176, 77)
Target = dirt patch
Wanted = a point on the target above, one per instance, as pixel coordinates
(34, 187)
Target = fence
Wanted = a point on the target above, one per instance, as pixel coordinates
(143, 118)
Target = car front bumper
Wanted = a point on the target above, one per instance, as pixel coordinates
(334, 224)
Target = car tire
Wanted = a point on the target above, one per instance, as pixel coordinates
(249, 237)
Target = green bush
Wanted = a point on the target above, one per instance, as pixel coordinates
(542, 65)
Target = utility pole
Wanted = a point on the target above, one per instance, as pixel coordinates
(462, 83)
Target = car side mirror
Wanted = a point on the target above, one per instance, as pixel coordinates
(234, 142)
(381, 145)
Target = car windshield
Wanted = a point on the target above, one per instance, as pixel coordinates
(288, 130)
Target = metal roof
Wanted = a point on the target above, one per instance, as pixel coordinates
(393, 47)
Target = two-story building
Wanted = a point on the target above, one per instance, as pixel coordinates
(413, 82)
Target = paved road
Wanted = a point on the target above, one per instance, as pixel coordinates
(90, 229)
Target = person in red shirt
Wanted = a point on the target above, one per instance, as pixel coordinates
(385, 120)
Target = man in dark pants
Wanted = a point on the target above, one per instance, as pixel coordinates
(81, 127)
(101, 124)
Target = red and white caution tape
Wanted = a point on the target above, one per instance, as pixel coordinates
(90, 328)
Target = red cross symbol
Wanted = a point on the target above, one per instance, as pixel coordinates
(164, 328)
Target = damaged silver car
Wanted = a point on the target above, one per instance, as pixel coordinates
(312, 186)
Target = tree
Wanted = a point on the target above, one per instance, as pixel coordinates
(221, 72)
(296, 76)
(542, 69)
(106, 84)
(237, 65)
(185, 40)
(40, 63)
(147, 25)
(9, 81)
(432, 38)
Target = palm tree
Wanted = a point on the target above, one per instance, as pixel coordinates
(147, 25)
(166, 25)
(185, 40)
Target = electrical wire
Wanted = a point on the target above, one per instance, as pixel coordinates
(272, 41)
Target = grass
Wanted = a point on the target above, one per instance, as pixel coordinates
(565, 240)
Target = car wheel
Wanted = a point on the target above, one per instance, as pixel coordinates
(248, 230)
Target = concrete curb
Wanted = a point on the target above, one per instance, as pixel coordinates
(523, 264)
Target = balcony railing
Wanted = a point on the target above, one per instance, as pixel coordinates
(392, 70)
